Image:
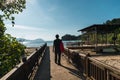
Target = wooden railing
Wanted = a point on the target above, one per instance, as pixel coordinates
(24, 70)
(92, 69)
(101, 71)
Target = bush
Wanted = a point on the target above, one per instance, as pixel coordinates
(10, 52)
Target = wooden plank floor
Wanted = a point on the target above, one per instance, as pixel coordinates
(48, 70)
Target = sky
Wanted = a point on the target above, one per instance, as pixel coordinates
(46, 18)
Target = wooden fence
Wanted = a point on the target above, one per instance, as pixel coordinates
(92, 69)
(24, 70)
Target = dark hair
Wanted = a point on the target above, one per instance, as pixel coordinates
(57, 36)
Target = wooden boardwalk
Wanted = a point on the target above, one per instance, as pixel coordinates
(48, 70)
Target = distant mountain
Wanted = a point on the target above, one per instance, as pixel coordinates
(24, 40)
(21, 39)
(37, 40)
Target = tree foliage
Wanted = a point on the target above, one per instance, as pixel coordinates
(10, 49)
(70, 37)
(10, 7)
(10, 53)
(113, 21)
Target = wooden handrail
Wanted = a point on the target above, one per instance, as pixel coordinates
(24, 70)
(92, 68)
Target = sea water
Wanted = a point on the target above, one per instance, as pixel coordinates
(38, 44)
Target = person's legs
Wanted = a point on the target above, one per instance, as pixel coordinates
(59, 58)
(56, 58)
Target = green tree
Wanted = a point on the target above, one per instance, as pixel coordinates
(117, 31)
(70, 37)
(10, 49)
(10, 7)
(113, 21)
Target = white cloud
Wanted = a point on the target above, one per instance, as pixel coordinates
(21, 27)
(36, 12)
(26, 32)
(37, 17)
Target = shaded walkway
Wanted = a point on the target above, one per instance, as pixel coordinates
(48, 70)
(43, 72)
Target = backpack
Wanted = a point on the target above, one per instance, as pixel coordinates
(61, 47)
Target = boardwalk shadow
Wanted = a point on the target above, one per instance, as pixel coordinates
(43, 72)
(74, 72)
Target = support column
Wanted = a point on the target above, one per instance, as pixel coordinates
(106, 39)
(95, 38)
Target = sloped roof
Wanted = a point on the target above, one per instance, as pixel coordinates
(101, 28)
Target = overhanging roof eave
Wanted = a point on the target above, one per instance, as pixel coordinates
(100, 28)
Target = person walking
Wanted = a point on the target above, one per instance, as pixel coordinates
(56, 49)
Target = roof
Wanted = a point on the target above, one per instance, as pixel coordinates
(101, 28)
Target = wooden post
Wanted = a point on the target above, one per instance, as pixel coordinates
(106, 39)
(114, 38)
(102, 39)
(82, 40)
(95, 38)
